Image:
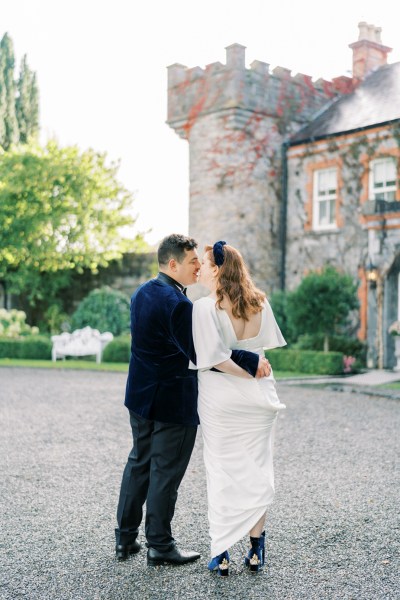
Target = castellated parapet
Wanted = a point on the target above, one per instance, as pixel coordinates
(196, 92)
(235, 120)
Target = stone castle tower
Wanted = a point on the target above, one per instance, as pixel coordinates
(236, 120)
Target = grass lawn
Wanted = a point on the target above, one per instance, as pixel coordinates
(63, 364)
(294, 374)
(395, 385)
(93, 366)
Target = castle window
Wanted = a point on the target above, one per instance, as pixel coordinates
(325, 194)
(383, 179)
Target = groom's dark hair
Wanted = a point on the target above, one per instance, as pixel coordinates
(174, 246)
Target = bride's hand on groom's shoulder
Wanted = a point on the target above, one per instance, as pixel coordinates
(264, 368)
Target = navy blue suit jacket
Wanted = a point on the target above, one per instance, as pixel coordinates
(160, 385)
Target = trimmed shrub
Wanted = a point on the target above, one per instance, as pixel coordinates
(322, 303)
(118, 351)
(103, 309)
(35, 346)
(306, 361)
(349, 346)
(9, 348)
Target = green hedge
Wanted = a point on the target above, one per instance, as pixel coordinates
(104, 309)
(32, 346)
(347, 345)
(306, 361)
(118, 351)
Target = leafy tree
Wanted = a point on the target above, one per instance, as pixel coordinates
(104, 309)
(19, 102)
(278, 301)
(322, 303)
(61, 211)
(7, 94)
(3, 102)
(27, 103)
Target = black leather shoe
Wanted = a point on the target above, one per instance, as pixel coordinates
(172, 557)
(122, 552)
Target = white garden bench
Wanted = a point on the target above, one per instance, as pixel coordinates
(81, 342)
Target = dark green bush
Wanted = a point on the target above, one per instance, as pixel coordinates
(119, 350)
(306, 361)
(322, 303)
(348, 346)
(34, 346)
(103, 309)
(278, 301)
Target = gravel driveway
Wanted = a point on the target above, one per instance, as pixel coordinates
(333, 530)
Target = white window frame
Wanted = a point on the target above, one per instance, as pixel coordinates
(389, 187)
(326, 197)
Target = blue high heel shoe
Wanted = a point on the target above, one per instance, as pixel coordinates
(255, 558)
(220, 563)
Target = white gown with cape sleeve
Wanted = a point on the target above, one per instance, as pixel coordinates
(237, 418)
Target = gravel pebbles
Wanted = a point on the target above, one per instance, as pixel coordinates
(333, 531)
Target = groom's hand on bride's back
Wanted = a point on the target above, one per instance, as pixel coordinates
(264, 368)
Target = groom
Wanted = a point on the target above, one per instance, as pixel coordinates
(161, 395)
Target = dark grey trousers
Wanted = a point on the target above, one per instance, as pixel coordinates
(153, 473)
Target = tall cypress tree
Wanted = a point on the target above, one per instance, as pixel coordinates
(10, 118)
(34, 105)
(26, 103)
(3, 102)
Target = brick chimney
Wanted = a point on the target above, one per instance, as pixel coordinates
(368, 52)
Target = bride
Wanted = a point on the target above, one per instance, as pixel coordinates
(237, 412)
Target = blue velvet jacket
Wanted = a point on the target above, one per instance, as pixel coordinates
(160, 385)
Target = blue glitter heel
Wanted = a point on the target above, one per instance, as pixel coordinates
(255, 558)
(220, 563)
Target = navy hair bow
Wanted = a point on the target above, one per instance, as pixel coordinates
(219, 253)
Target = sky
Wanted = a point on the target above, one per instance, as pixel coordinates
(101, 68)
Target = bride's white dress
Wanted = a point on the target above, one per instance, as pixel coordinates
(237, 418)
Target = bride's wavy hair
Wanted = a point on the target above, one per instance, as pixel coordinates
(234, 282)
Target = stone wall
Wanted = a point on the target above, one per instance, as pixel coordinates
(364, 234)
(230, 196)
(308, 249)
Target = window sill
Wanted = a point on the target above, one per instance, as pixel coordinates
(318, 232)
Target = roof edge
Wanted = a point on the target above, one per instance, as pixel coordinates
(318, 138)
